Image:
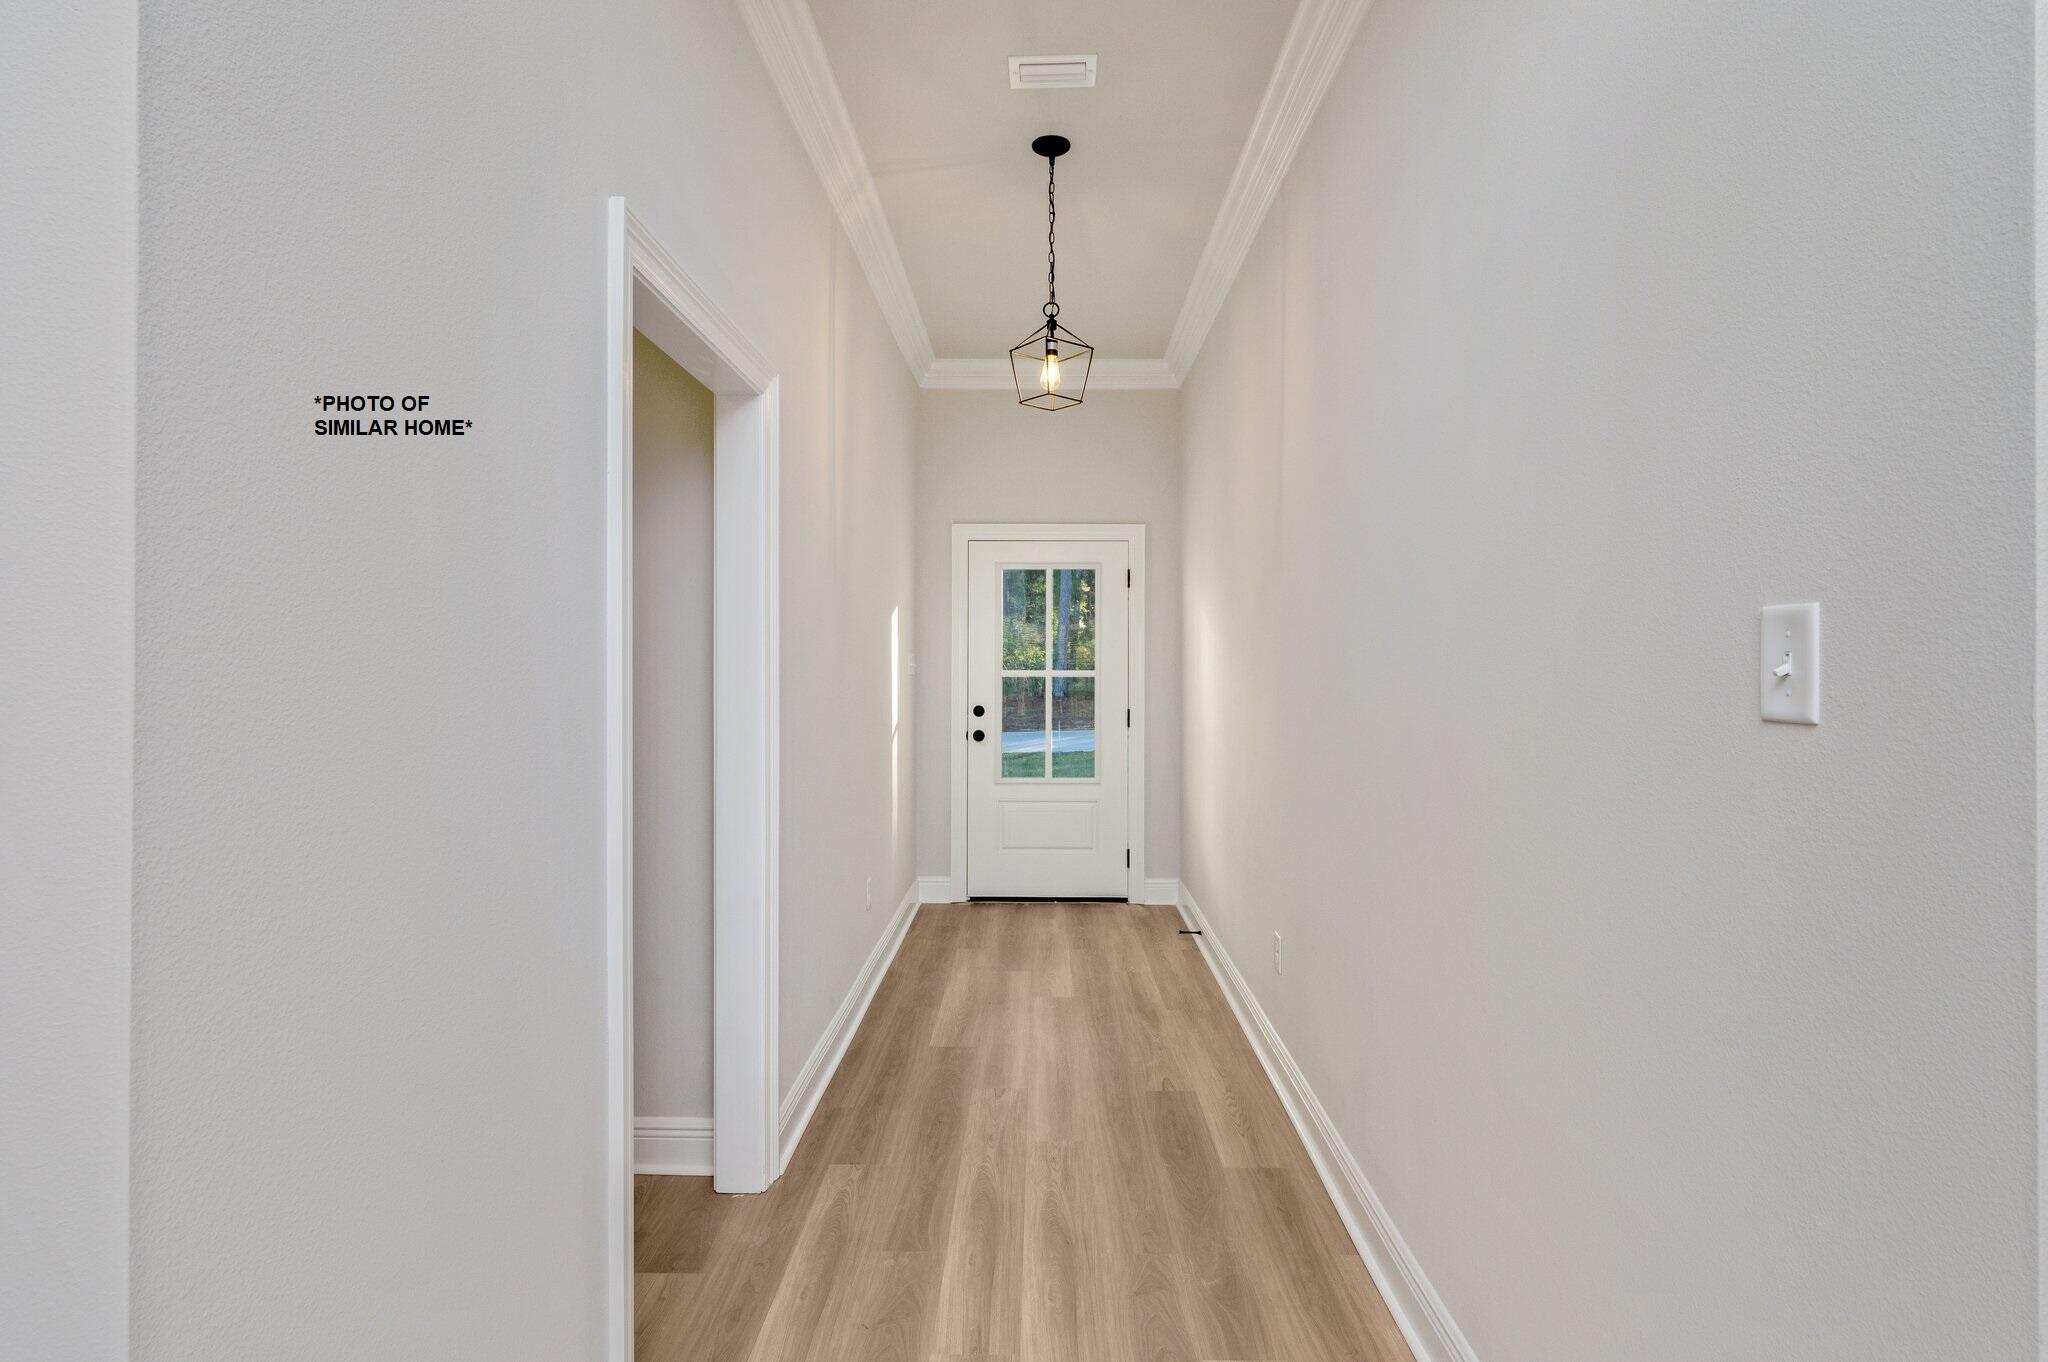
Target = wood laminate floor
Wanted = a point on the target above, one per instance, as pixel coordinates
(1048, 1141)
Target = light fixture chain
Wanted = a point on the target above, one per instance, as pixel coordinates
(1052, 292)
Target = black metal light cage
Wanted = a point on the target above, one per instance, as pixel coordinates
(1050, 366)
(1070, 356)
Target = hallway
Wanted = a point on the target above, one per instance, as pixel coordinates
(614, 598)
(1049, 1140)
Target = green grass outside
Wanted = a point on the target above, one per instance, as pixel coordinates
(1065, 765)
(1073, 765)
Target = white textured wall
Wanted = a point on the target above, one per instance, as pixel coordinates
(369, 952)
(1580, 331)
(67, 621)
(672, 424)
(847, 792)
(2040, 673)
(983, 458)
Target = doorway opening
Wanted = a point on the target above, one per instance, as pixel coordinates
(671, 870)
(650, 294)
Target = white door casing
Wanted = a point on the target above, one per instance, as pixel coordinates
(648, 290)
(1048, 663)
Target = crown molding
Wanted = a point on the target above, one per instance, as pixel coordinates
(994, 374)
(1316, 41)
(1317, 38)
(788, 39)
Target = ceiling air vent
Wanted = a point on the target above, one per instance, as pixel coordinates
(1051, 73)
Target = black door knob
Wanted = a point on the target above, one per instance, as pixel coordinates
(977, 735)
(979, 711)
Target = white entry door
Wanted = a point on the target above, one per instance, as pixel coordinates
(1048, 719)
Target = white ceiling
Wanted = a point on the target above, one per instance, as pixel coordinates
(947, 142)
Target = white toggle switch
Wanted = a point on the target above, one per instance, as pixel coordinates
(1791, 663)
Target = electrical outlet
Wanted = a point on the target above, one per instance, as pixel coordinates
(870, 905)
(1278, 965)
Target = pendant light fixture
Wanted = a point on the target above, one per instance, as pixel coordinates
(1050, 366)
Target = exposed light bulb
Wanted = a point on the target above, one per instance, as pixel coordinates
(1049, 375)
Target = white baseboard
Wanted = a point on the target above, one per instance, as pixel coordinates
(942, 889)
(802, 1101)
(679, 1146)
(1433, 1336)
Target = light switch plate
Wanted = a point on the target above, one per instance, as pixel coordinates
(1791, 663)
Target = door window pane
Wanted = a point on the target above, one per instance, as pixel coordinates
(1073, 618)
(1073, 727)
(1023, 619)
(1024, 726)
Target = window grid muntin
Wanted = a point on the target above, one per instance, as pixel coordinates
(1045, 622)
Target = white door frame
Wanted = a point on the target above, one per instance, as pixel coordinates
(648, 289)
(1133, 535)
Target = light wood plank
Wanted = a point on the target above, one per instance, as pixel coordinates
(1048, 1140)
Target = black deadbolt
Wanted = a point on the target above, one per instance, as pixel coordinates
(979, 711)
(977, 735)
